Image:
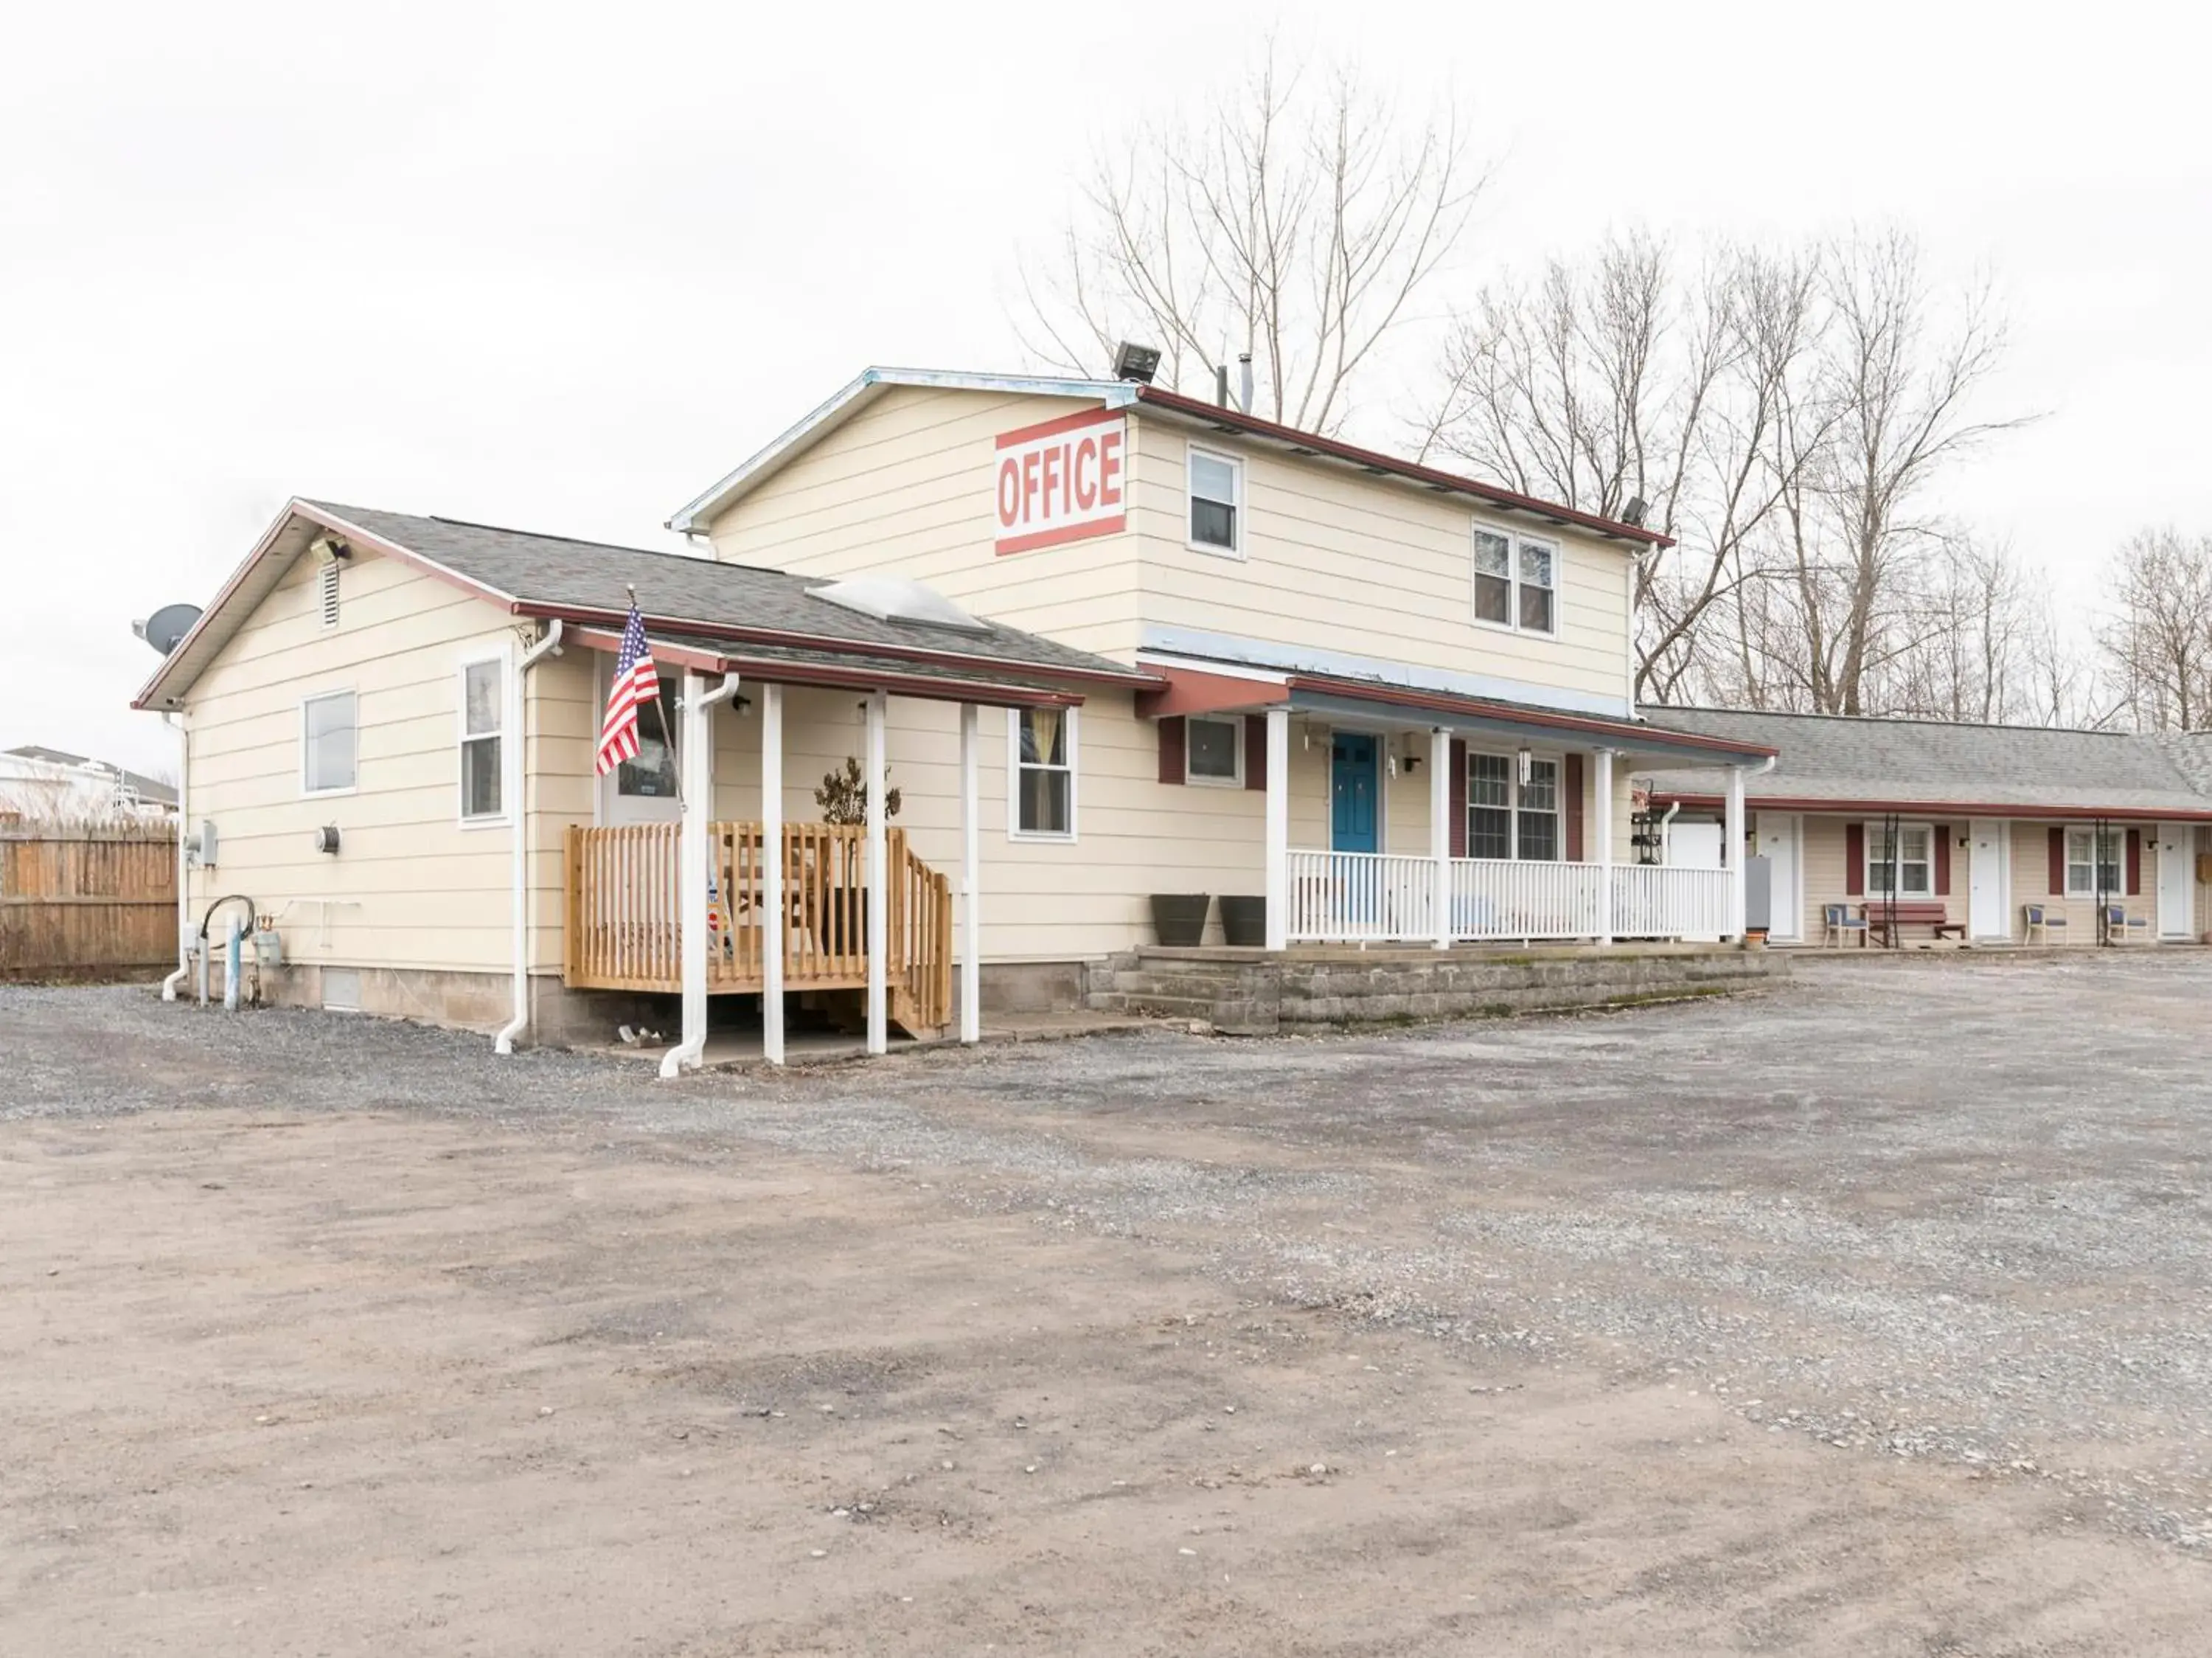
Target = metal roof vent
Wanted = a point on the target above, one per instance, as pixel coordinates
(899, 599)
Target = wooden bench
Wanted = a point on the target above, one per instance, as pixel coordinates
(1908, 913)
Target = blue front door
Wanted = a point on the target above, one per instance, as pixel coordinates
(1352, 790)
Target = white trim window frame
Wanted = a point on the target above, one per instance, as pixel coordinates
(2082, 853)
(1494, 789)
(473, 739)
(1234, 778)
(1064, 739)
(1876, 836)
(1511, 578)
(309, 789)
(1194, 456)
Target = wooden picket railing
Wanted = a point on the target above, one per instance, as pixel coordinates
(621, 915)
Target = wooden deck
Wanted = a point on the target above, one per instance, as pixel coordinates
(622, 929)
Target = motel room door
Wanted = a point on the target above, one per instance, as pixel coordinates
(2176, 877)
(1777, 844)
(1988, 878)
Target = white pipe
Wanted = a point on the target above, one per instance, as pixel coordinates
(233, 966)
(518, 785)
(170, 984)
(697, 760)
(1667, 831)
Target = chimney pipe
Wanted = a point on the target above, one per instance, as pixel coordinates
(1244, 379)
(1221, 386)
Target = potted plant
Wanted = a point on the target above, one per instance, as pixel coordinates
(1180, 918)
(1243, 921)
(842, 798)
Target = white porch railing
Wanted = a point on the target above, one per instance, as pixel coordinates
(1383, 898)
(1656, 900)
(1366, 897)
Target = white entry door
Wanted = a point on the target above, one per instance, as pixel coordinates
(1777, 844)
(642, 790)
(2176, 879)
(1989, 880)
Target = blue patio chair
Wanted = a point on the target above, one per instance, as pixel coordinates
(1837, 923)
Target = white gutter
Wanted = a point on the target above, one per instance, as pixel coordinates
(518, 784)
(698, 808)
(169, 985)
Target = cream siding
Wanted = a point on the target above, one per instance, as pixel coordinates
(1338, 562)
(906, 486)
(410, 888)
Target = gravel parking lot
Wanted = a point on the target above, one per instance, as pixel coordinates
(1867, 1316)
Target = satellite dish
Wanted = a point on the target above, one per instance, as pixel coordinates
(165, 626)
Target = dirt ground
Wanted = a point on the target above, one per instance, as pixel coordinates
(1867, 1316)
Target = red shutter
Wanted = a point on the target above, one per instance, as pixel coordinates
(1171, 748)
(1574, 808)
(1853, 860)
(2057, 877)
(1942, 833)
(1458, 801)
(2135, 862)
(1255, 751)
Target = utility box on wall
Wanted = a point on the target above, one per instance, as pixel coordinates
(1757, 893)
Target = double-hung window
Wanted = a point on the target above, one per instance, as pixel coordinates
(1910, 858)
(2092, 861)
(1040, 773)
(1516, 582)
(483, 726)
(1216, 501)
(1508, 818)
(329, 743)
(1213, 752)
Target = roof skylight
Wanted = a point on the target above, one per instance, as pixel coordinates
(898, 599)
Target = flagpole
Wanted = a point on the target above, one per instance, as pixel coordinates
(667, 737)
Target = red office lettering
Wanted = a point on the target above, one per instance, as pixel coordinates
(1029, 486)
(1109, 469)
(1009, 492)
(1085, 469)
(1049, 465)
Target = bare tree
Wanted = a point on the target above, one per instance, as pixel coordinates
(2159, 648)
(1623, 380)
(1297, 223)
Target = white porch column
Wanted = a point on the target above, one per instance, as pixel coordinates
(695, 759)
(1278, 828)
(971, 917)
(772, 911)
(1440, 811)
(879, 885)
(1602, 826)
(1732, 852)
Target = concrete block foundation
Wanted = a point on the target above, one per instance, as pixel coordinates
(1254, 993)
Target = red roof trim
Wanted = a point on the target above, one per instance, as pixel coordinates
(812, 673)
(1131, 679)
(1444, 703)
(1337, 450)
(1951, 807)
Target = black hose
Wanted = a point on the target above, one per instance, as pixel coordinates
(229, 898)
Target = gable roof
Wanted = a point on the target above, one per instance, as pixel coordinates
(695, 516)
(1834, 762)
(149, 790)
(587, 582)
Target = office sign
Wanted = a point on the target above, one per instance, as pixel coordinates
(1061, 481)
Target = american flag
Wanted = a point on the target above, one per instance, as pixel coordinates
(637, 683)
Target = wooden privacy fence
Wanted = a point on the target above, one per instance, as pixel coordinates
(621, 912)
(77, 902)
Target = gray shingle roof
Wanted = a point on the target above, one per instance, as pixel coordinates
(859, 669)
(556, 573)
(1835, 757)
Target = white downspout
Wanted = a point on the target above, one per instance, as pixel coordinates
(170, 984)
(1667, 831)
(698, 760)
(518, 785)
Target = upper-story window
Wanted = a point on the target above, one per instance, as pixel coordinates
(1516, 582)
(1216, 501)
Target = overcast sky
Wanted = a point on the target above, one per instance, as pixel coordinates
(490, 263)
